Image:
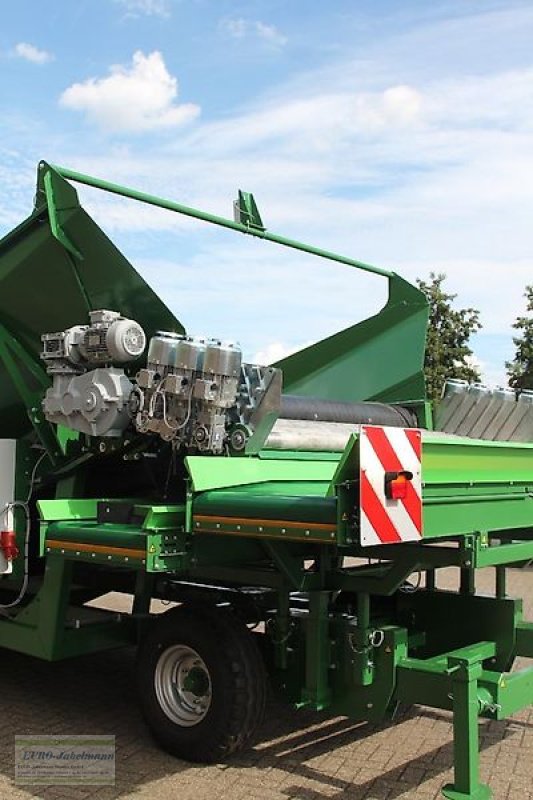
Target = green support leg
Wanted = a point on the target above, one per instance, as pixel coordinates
(363, 669)
(466, 786)
(501, 582)
(54, 605)
(468, 581)
(142, 599)
(317, 693)
(282, 629)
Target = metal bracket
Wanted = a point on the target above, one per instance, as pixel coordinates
(246, 211)
(60, 197)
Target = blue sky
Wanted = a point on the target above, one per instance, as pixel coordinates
(398, 133)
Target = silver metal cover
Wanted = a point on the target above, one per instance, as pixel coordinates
(222, 358)
(176, 352)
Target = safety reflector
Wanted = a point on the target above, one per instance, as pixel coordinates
(390, 485)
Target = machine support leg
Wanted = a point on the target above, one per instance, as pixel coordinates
(501, 582)
(282, 629)
(468, 582)
(430, 580)
(466, 786)
(53, 604)
(142, 599)
(316, 692)
(364, 671)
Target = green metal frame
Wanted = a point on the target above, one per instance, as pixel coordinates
(400, 327)
(344, 638)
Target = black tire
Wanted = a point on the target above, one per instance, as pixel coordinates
(234, 691)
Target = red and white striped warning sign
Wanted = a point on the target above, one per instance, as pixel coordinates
(390, 485)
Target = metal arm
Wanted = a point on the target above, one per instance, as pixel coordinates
(249, 227)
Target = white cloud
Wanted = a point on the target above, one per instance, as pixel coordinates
(235, 27)
(131, 99)
(275, 351)
(269, 33)
(397, 106)
(149, 8)
(31, 53)
(239, 28)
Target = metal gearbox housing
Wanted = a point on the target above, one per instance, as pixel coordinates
(91, 401)
(95, 402)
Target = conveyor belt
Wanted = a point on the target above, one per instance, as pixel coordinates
(315, 409)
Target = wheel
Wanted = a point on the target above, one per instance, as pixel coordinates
(202, 683)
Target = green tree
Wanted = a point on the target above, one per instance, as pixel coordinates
(520, 369)
(447, 344)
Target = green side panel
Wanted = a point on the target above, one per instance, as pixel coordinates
(67, 509)
(380, 358)
(472, 485)
(472, 514)
(450, 460)
(44, 287)
(220, 473)
(222, 503)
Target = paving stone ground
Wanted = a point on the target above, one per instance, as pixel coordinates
(299, 755)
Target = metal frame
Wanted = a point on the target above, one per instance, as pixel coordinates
(343, 638)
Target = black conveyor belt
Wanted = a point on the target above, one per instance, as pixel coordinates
(312, 408)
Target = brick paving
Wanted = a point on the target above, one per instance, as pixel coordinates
(299, 755)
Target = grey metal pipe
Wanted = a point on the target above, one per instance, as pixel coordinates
(324, 437)
(298, 434)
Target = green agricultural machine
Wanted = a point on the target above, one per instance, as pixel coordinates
(294, 515)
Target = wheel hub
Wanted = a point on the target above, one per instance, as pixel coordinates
(183, 685)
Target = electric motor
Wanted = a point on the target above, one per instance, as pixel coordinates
(109, 338)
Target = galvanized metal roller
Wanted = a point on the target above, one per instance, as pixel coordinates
(322, 437)
(316, 425)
